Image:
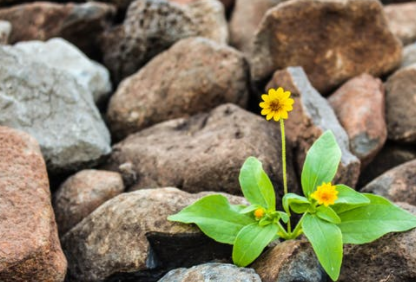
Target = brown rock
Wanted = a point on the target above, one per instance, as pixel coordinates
(292, 260)
(402, 21)
(228, 4)
(194, 76)
(409, 55)
(5, 29)
(359, 106)
(332, 40)
(311, 116)
(201, 153)
(29, 244)
(401, 105)
(80, 24)
(123, 234)
(82, 193)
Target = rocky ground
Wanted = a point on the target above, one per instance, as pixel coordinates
(116, 114)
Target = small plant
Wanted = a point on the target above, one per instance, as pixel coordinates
(331, 215)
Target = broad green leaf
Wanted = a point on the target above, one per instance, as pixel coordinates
(326, 240)
(256, 185)
(368, 223)
(251, 241)
(249, 209)
(347, 195)
(328, 214)
(215, 217)
(283, 216)
(321, 163)
(298, 204)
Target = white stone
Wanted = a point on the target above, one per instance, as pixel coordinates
(5, 30)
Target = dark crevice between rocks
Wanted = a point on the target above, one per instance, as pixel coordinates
(169, 251)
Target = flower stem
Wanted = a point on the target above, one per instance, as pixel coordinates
(297, 231)
(282, 131)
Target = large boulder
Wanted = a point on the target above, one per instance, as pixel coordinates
(29, 244)
(332, 40)
(402, 21)
(195, 75)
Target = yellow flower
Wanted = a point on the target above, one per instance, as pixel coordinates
(326, 194)
(276, 104)
(259, 213)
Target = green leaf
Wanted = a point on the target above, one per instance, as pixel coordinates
(283, 216)
(347, 195)
(251, 241)
(215, 217)
(326, 240)
(328, 214)
(298, 204)
(321, 163)
(368, 223)
(249, 209)
(256, 185)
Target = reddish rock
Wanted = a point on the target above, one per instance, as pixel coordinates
(194, 76)
(82, 193)
(311, 116)
(401, 105)
(359, 106)
(402, 21)
(332, 40)
(29, 244)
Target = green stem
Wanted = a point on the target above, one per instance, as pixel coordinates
(282, 131)
(296, 232)
(282, 229)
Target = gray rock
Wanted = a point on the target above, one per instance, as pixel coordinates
(57, 111)
(409, 55)
(211, 272)
(402, 21)
(5, 30)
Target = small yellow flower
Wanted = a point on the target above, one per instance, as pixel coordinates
(276, 104)
(326, 194)
(259, 213)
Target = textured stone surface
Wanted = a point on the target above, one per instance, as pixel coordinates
(80, 24)
(409, 55)
(402, 21)
(195, 75)
(332, 40)
(212, 272)
(60, 54)
(5, 29)
(152, 26)
(292, 260)
(29, 245)
(391, 258)
(401, 105)
(52, 107)
(82, 193)
(228, 4)
(115, 237)
(311, 116)
(359, 106)
(201, 153)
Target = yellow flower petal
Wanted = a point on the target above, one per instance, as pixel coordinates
(287, 94)
(280, 91)
(284, 115)
(269, 116)
(265, 97)
(276, 117)
(264, 105)
(326, 194)
(265, 111)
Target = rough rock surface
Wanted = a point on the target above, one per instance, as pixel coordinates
(201, 153)
(80, 24)
(401, 105)
(292, 260)
(29, 244)
(5, 29)
(152, 26)
(402, 21)
(391, 258)
(359, 106)
(228, 4)
(52, 107)
(194, 76)
(332, 40)
(311, 116)
(60, 54)
(210, 272)
(115, 237)
(409, 55)
(82, 193)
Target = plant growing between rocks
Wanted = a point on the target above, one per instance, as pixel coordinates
(331, 215)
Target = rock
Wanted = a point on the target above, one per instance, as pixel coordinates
(359, 106)
(29, 244)
(152, 26)
(201, 153)
(60, 54)
(194, 76)
(402, 21)
(311, 116)
(332, 40)
(397, 184)
(292, 260)
(391, 258)
(212, 272)
(401, 105)
(130, 233)
(52, 107)
(82, 193)
(80, 24)
(5, 29)
(409, 55)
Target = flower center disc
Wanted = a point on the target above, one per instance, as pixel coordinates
(275, 105)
